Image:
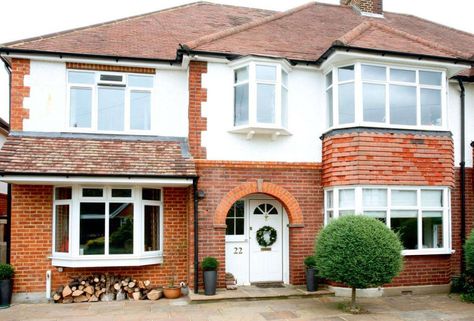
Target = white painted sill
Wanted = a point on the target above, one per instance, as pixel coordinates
(105, 261)
(260, 129)
(427, 252)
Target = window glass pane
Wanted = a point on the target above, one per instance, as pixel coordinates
(402, 105)
(241, 74)
(430, 78)
(265, 103)
(374, 103)
(432, 229)
(62, 193)
(120, 228)
(374, 197)
(151, 194)
(230, 229)
(121, 192)
(346, 73)
(241, 104)
(80, 107)
(329, 79)
(329, 199)
(152, 228)
(432, 198)
(403, 198)
(266, 72)
(78, 77)
(140, 110)
(402, 75)
(404, 223)
(284, 107)
(346, 103)
(92, 192)
(430, 107)
(140, 81)
(239, 226)
(346, 212)
(329, 216)
(374, 73)
(329, 103)
(284, 78)
(380, 215)
(346, 198)
(92, 228)
(111, 109)
(239, 209)
(61, 240)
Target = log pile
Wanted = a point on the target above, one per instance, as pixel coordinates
(105, 287)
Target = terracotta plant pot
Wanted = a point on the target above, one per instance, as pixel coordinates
(172, 293)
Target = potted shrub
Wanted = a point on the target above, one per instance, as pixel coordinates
(6, 285)
(311, 274)
(171, 291)
(209, 266)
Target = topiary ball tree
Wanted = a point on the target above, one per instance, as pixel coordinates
(358, 251)
(469, 254)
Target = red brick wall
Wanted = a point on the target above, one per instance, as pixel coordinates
(31, 241)
(356, 158)
(3, 204)
(20, 68)
(138, 70)
(197, 95)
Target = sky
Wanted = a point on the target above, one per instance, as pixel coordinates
(29, 18)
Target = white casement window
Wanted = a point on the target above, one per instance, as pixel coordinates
(110, 102)
(107, 226)
(261, 95)
(420, 215)
(386, 96)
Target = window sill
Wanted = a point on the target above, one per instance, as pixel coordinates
(260, 129)
(102, 261)
(427, 252)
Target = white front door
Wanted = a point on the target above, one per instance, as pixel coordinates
(266, 263)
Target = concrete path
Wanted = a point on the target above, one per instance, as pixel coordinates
(412, 308)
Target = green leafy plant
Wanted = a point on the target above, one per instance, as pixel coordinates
(209, 264)
(469, 254)
(358, 251)
(6, 272)
(310, 262)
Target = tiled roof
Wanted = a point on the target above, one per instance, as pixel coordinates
(95, 155)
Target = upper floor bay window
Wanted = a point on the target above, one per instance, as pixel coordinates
(107, 101)
(419, 215)
(261, 95)
(375, 95)
(107, 226)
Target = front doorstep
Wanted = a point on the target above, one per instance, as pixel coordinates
(393, 291)
(255, 293)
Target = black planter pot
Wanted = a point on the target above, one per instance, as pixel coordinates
(6, 289)
(210, 282)
(311, 280)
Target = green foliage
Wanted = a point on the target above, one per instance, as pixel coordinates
(468, 297)
(310, 262)
(6, 271)
(469, 254)
(358, 251)
(462, 284)
(209, 264)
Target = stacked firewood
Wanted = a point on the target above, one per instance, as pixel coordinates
(105, 287)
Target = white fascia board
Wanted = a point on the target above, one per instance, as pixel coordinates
(197, 57)
(245, 60)
(40, 179)
(341, 57)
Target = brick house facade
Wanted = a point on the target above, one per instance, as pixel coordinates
(251, 134)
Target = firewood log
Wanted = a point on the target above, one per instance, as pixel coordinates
(77, 293)
(66, 291)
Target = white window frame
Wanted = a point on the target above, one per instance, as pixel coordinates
(138, 258)
(359, 209)
(241, 237)
(95, 102)
(358, 84)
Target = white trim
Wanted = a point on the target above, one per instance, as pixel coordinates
(76, 261)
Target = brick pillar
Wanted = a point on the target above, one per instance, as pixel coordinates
(197, 95)
(20, 68)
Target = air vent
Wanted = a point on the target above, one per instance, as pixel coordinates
(111, 80)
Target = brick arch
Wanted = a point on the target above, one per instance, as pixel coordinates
(293, 209)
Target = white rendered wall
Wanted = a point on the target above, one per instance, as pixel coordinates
(454, 121)
(49, 109)
(306, 120)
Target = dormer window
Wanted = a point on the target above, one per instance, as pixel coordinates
(389, 96)
(112, 102)
(260, 98)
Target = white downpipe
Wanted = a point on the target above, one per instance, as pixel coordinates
(48, 284)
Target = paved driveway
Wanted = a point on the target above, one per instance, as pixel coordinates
(413, 308)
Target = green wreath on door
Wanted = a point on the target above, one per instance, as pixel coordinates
(266, 236)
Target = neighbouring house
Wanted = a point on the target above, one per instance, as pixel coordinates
(4, 130)
(142, 145)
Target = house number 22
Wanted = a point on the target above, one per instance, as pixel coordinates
(237, 250)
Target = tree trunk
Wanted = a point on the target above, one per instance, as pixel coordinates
(353, 300)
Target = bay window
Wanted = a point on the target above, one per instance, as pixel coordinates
(376, 95)
(113, 226)
(105, 101)
(261, 96)
(419, 215)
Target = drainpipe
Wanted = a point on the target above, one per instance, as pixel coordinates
(463, 172)
(196, 238)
